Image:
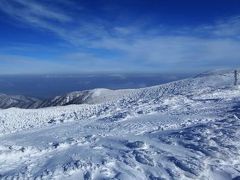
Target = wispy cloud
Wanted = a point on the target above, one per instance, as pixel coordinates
(135, 45)
(34, 13)
(20, 64)
(229, 27)
(201, 47)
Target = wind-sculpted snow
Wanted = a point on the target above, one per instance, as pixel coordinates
(187, 129)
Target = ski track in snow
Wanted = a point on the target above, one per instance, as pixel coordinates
(187, 129)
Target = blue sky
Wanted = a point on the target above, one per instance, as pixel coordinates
(77, 36)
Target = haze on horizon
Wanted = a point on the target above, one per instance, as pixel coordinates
(72, 36)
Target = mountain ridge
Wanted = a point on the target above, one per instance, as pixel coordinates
(87, 96)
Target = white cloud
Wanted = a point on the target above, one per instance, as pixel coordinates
(35, 13)
(229, 27)
(17, 64)
(152, 47)
(174, 50)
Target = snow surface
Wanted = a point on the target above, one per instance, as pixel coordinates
(187, 129)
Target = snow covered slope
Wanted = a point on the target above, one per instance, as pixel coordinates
(84, 97)
(187, 129)
(7, 101)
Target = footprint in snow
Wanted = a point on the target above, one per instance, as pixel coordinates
(135, 145)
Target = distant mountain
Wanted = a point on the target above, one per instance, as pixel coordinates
(79, 97)
(94, 96)
(7, 101)
(101, 95)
